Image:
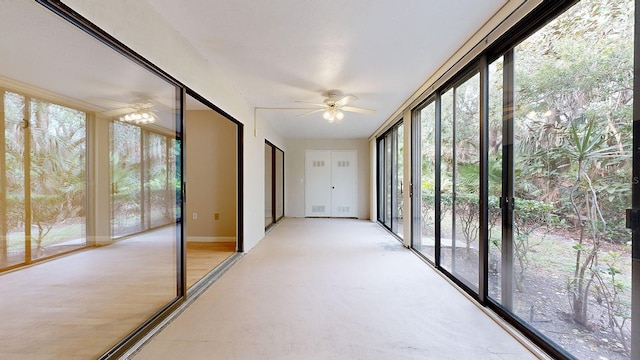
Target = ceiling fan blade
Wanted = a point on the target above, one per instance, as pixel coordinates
(345, 100)
(107, 103)
(310, 103)
(116, 112)
(310, 112)
(358, 110)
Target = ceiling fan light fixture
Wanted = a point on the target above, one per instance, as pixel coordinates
(332, 114)
(334, 106)
(138, 117)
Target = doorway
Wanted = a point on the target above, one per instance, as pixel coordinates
(331, 183)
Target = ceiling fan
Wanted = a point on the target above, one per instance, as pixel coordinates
(334, 106)
(137, 113)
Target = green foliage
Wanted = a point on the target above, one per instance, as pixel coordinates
(56, 168)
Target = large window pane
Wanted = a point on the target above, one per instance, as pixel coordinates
(58, 182)
(466, 181)
(425, 240)
(44, 195)
(496, 142)
(13, 211)
(398, 185)
(159, 182)
(446, 180)
(460, 181)
(126, 181)
(82, 170)
(391, 172)
(571, 266)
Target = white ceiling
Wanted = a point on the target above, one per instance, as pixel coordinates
(278, 51)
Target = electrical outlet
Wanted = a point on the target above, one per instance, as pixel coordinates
(216, 216)
(195, 216)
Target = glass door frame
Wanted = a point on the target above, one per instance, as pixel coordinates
(387, 199)
(503, 47)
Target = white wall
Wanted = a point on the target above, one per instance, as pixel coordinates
(295, 168)
(137, 25)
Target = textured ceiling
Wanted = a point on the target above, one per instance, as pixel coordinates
(278, 51)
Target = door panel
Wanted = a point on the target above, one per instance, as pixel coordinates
(344, 183)
(331, 183)
(318, 183)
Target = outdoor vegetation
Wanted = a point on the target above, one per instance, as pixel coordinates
(44, 146)
(571, 266)
(44, 189)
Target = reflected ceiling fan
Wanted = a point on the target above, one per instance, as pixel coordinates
(139, 113)
(334, 106)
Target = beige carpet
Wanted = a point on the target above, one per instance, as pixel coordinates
(332, 289)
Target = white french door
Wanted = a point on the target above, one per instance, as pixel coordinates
(331, 183)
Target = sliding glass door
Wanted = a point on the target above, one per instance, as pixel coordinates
(521, 179)
(273, 184)
(426, 186)
(568, 174)
(459, 181)
(390, 178)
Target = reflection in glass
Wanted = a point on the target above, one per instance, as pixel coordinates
(425, 242)
(58, 183)
(74, 177)
(459, 192)
(13, 239)
(495, 178)
(398, 173)
(466, 181)
(159, 183)
(44, 203)
(126, 182)
(142, 179)
(446, 180)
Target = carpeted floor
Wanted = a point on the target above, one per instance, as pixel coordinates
(332, 289)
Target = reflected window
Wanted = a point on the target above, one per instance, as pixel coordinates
(82, 175)
(143, 177)
(43, 191)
